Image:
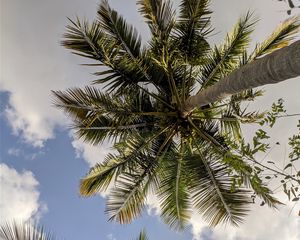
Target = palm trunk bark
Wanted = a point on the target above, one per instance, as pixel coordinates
(276, 67)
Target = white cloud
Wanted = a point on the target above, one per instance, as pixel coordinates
(153, 207)
(111, 237)
(32, 127)
(19, 195)
(14, 152)
(37, 64)
(262, 223)
(92, 154)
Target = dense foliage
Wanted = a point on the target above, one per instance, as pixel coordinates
(200, 161)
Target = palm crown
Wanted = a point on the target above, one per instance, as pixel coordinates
(187, 162)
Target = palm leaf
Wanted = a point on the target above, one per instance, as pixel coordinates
(192, 26)
(129, 157)
(142, 235)
(159, 16)
(92, 42)
(116, 26)
(281, 37)
(127, 199)
(231, 128)
(173, 192)
(250, 178)
(98, 116)
(23, 231)
(86, 40)
(225, 58)
(211, 190)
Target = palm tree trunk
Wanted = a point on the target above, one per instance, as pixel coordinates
(276, 67)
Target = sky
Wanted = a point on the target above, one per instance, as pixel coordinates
(41, 162)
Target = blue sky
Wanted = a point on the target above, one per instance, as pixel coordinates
(41, 162)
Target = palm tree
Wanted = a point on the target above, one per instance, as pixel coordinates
(168, 142)
(23, 231)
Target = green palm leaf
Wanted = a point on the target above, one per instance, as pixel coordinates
(173, 192)
(192, 26)
(116, 27)
(86, 40)
(98, 116)
(92, 42)
(127, 199)
(142, 236)
(224, 59)
(281, 37)
(159, 16)
(130, 157)
(211, 190)
(23, 231)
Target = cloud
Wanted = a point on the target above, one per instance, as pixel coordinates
(19, 195)
(111, 237)
(31, 127)
(262, 223)
(14, 152)
(153, 207)
(31, 68)
(92, 154)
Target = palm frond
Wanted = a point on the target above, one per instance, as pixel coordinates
(127, 199)
(97, 116)
(93, 42)
(86, 40)
(159, 16)
(247, 95)
(192, 26)
(210, 185)
(23, 231)
(232, 128)
(281, 37)
(142, 235)
(225, 58)
(115, 26)
(173, 192)
(130, 155)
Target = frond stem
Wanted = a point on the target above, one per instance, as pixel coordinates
(119, 127)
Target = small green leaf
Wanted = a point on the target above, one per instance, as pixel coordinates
(267, 177)
(295, 199)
